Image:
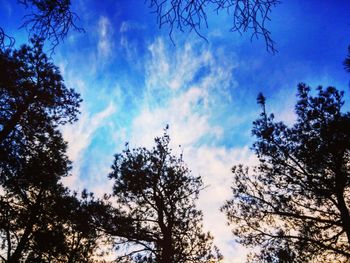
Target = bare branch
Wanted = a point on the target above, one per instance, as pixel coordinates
(247, 15)
(50, 20)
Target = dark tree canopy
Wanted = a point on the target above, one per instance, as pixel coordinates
(157, 193)
(40, 219)
(33, 99)
(33, 102)
(247, 15)
(295, 204)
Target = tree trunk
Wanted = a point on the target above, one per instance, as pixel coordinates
(167, 249)
(344, 214)
(16, 256)
(340, 183)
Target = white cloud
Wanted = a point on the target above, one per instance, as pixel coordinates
(130, 49)
(179, 94)
(130, 46)
(184, 114)
(127, 26)
(184, 89)
(284, 112)
(105, 33)
(175, 71)
(214, 164)
(79, 136)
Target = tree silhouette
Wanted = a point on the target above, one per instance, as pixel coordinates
(157, 193)
(295, 203)
(33, 98)
(247, 15)
(40, 220)
(48, 19)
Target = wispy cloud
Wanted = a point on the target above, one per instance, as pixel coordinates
(170, 68)
(185, 115)
(79, 136)
(214, 165)
(130, 43)
(105, 34)
(185, 88)
(130, 25)
(182, 90)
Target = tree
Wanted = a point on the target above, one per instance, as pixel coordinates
(295, 204)
(246, 15)
(40, 221)
(48, 19)
(157, 193)
(33, 99)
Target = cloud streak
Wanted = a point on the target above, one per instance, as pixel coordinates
(104, 45)
(79, 136)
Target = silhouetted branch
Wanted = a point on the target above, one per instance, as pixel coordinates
(50, 20)
(295, 202)
(6, 41)
(247, 15)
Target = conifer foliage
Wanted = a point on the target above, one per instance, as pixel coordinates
(40, 219)
(157, 192)
(295, 204)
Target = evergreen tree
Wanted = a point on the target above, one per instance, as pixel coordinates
(32, 92)
(33, 102)
(157, 192)
(40, 220)
(295, 204)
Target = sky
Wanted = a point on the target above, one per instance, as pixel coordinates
(134, 81)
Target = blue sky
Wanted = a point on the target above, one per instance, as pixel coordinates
(134, 81)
